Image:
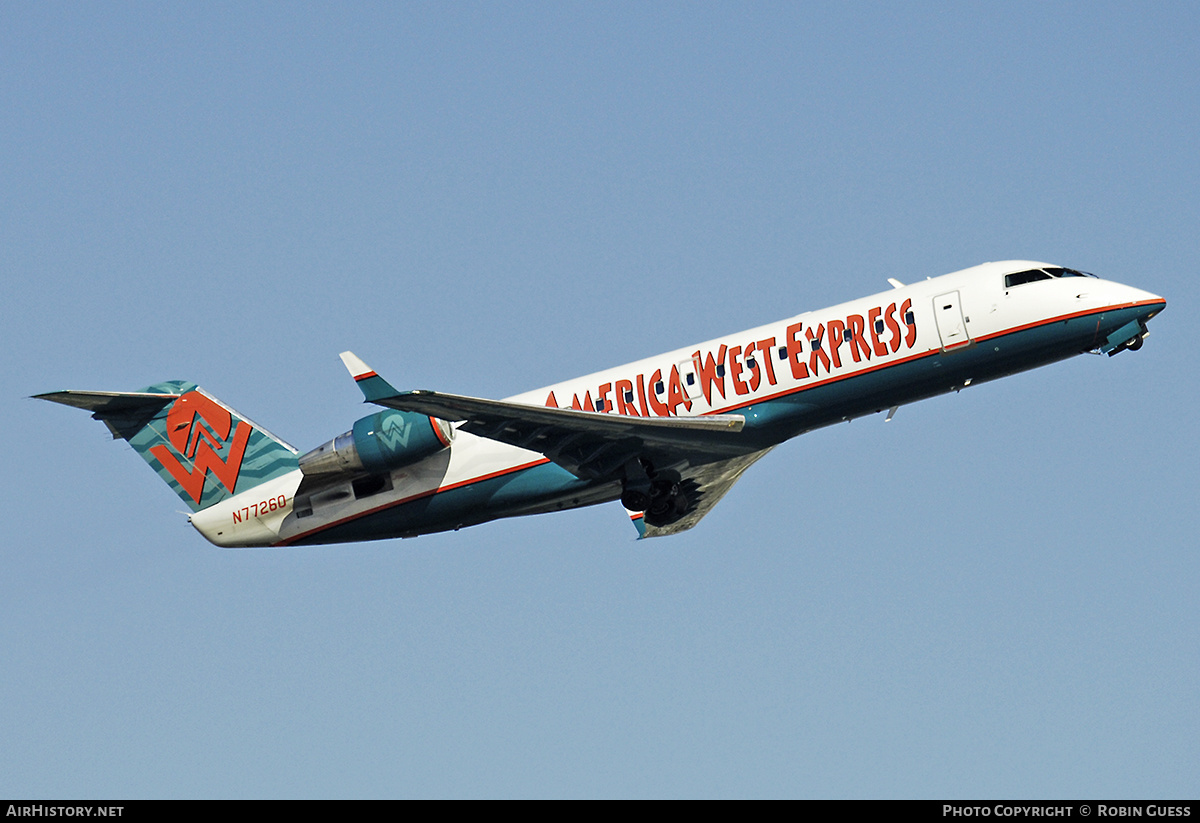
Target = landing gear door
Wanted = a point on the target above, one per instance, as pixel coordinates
(952, 326)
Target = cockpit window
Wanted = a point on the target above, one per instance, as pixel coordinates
(1047, 273)
(1022, 277)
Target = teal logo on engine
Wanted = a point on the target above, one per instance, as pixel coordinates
(395, 432)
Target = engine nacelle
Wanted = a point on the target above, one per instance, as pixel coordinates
(378, 443)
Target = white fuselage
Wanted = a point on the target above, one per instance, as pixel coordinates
(744, 372)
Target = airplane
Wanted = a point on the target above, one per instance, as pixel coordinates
(668, 436)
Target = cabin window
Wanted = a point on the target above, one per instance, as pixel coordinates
(1023, 277)
(848, 336)
(910, 318)
(658, 387)
(720, 370)
(783, 352)
(628, 397)
(879, 327)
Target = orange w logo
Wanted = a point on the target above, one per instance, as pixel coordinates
(198, 428)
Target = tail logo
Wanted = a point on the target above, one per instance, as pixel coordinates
(199, 430)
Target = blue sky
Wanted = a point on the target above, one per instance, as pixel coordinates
(992, 595)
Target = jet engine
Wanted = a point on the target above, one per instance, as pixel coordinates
(378, 443)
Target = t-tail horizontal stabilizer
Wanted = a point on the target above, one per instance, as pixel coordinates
(200, 447)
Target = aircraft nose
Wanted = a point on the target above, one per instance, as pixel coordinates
(1149, 303)
(1153, 303)
(1134, 308)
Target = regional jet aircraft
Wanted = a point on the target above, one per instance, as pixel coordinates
(667, 436)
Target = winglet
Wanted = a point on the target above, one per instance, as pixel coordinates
(373, 386)
(639, 523)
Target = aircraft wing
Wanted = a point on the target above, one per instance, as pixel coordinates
(587, 444)
(706, 485)
(592, 445)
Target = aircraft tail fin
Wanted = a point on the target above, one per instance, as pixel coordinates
(200, 447)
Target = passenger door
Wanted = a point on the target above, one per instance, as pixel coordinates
(952, 326)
